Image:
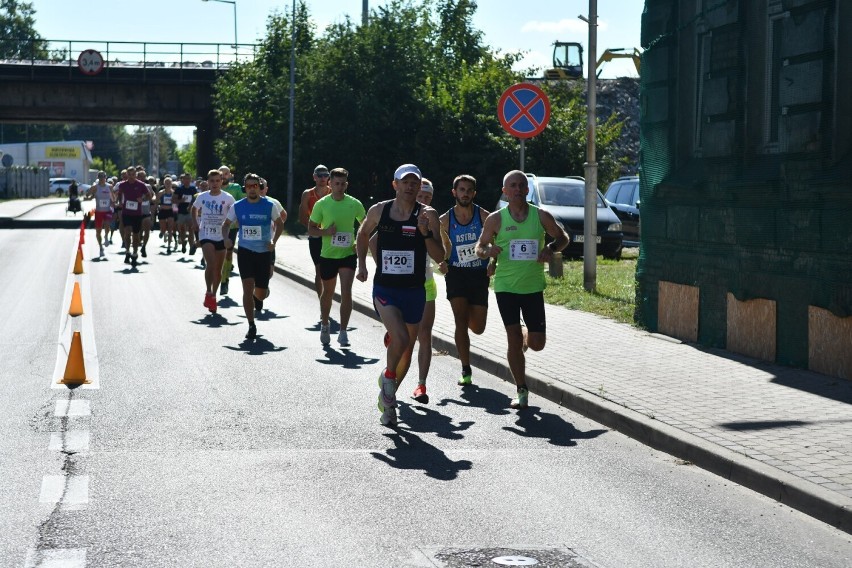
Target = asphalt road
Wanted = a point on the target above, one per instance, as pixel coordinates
(198, 448)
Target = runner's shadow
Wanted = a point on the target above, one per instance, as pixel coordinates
(474, 396)
(100, 259)
(227, 302)
(184, 260)
(425, 419)
(533, 423)
(267, 315)
(411, 452)
(333, 326)
(257, 346)
(345, 358)
(214, 320)
(129, 270)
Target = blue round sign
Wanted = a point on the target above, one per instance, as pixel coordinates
(524, 110)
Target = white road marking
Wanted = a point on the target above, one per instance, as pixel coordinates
(69, 491)
(72, 408)
(56, 558)
(74, 441)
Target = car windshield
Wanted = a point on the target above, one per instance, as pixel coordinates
(563, 194)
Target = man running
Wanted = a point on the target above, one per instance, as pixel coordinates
(236, 191)
(184, 194)
(407, 230)
(256, 216)
(212, 207)
(466, 278)
(333, 218)
(132, 193)
(306, 206)
(166, 200)
(514, 236)
(104, 201)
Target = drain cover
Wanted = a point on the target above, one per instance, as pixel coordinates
(514, 561)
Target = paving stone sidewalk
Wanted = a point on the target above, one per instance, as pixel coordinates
(786, 433)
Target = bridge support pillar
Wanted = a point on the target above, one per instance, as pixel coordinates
(205, 151)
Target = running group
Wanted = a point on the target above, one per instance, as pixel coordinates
(405, 236)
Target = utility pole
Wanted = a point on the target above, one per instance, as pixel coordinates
(292, 107)
(364, 12)
(590, 217)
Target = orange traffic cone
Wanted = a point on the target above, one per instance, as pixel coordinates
(75, 369)
(76, 308)
(78, 263)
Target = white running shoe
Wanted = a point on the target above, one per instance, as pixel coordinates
(343, 338)
(325, 335)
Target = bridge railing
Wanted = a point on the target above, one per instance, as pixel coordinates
(183, 55)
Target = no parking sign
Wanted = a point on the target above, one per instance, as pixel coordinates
(524, 110)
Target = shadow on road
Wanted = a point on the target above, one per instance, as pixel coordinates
(474, 396)
(411, 452)
(257, 346)
(214, 320)
(424, 419)
(345, 358)
(533, 423)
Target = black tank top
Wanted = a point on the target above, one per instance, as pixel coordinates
(401, 251)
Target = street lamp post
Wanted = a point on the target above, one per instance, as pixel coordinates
(292, 108)
(234, 4)
(590, 218)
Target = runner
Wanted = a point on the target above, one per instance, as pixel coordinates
(185, 192)
(407, 230)
(466, 277)
(256, 216)
(236, 191)
(264, 191)
(514, 236)
(166, 214)
(333, 218)
(132, 193)
(147, 218)
(104, 201)
(306, 206)
(212, 207)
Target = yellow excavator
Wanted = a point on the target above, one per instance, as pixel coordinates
(568, 60)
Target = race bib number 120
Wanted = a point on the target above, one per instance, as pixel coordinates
(398, 262)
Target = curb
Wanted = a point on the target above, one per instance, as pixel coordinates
(806, 497)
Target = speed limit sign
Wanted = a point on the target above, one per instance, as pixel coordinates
(90, 62)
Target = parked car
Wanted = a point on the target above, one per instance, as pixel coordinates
(564, 198)
(623, 196)
(59, 186)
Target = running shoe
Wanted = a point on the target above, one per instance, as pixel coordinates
(144, 252)
(127, 258)
(343, 338)
(134, 260)
(465, 380)
(521, 401)
(210, 302)
(183, 247)
(387, 338)
(192, 249)
(388, 417)
(325, 335)
(223, 287)
(420, 394)
(258, 305)
(387, 394)
(252, 332)
(102, 251)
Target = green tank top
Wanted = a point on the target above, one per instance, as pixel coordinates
(518, 269)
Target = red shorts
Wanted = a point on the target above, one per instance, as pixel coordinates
(101, 217)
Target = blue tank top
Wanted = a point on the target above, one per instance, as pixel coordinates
(255, 221)
(464, 239)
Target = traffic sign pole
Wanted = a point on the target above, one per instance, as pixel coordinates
(523, 153)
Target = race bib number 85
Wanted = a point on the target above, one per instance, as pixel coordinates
(341, 240)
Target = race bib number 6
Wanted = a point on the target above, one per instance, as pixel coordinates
(398, 262)
(523, 249)
(251, 232)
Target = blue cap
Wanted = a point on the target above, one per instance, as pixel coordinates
(406, 169)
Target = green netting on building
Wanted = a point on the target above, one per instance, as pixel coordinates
(746, 161)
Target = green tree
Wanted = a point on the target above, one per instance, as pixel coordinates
(187, 156)
(18, 37)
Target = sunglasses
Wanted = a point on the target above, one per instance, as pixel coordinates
(322, 175)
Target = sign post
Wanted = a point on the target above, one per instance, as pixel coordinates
(523, 110)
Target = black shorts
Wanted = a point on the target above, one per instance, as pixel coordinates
(315, 246)
(132, 221)
(232, 234)
(254, 266)
(329, 267)
(217, 245)
(165, 214)
(511, 306)
(469, 283)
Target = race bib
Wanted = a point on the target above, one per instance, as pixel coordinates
(343, 240)
(251, 233)
(523, 249)
(397, 262)
(131, 205)
(103, 203)
(187, 199)
(467, 253)
(212, 232)
(167, 200)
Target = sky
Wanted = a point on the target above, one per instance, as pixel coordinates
(507, 25)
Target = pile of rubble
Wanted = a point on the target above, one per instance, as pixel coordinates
(621, 96)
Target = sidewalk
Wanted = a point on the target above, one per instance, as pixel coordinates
(785, 433)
